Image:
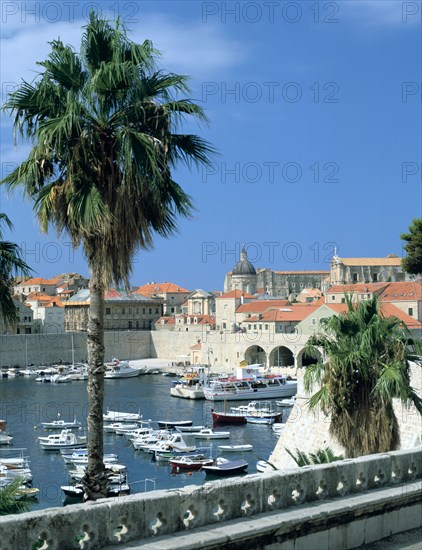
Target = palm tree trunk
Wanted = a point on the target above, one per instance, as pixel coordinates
(95, 481)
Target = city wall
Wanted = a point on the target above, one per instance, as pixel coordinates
(334, 506)
(39, 349)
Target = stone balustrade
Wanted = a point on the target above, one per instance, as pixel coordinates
(142, 516)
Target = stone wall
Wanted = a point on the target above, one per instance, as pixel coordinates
(334, 506)
(309, 431)
(53, 348)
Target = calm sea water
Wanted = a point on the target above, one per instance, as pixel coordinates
(24, 404)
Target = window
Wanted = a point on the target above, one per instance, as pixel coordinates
(224, 325)
(410, 311)
(333, 298)
(313, 321)
(130, 310)
(137, 324)
(130, 324)
(156, 310)
(355, 277)
(266, 327)
(150, 310)
(143, 310)
(343, 300)
(172, 310)
(123, 310)
(108, 311)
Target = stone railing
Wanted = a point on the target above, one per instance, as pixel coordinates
(146, 515)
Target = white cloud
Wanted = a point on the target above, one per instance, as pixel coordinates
(193, 48)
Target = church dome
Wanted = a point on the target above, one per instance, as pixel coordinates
(243, 266)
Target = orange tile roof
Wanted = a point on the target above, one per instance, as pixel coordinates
(292, 313)
(163, 288)
(167, 321)
(40, 281)
(371, 261)
(196, 346)
(236, 294)
(388, 310)
(40, 296)
(358, 287)
(404, 291)
(258, 306)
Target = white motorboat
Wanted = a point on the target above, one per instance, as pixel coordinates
(116, 427)
(64, 440)
(278, 428)
(286, 402)
(208, 433)
(120, 369)
(60, 424)
(260, 420)
(120, 416)
(235, 448)
(114, 489)
(5, 439)
(189, 429)
(249, 384)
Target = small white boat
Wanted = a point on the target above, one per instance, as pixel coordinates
(286, 402)
(5, 439)
(120, 416)
(188, 429)
(278, 428)
(60, 424)
(258, 420)
(117, 426)
(235, 448)
(174, 423)
(223, 467)
(208, 433)
(120, 369)
(64, 440)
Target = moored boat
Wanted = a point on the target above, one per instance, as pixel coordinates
(191, 462)
(235, 448)
(64, 440)
(224, 467)
(250, 384)
(120, 369)
(267, 421)
(60, 424)
(174, 424)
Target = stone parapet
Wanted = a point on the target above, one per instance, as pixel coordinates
(142, 516)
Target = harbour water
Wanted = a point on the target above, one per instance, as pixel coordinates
(24, 404)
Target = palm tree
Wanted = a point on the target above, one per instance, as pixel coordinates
(11, 264)
(104, 126)
(365, 367)
(321, 456)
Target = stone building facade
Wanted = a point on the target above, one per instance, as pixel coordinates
(366, 270)
(265, 281)
(122, 311)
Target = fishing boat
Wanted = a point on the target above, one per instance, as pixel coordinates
(191, 462)
(259, 420)
(235, 448)
(60, 424)
(250, 384)
(224, 467)
(120, 369)
(64, 440)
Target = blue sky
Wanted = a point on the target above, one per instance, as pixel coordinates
(315, 108)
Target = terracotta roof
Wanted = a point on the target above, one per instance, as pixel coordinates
(292, 313)
(395, 292)
(371, 261)
(358, 287)
(236, 294)
(258, 306)
(165, 321)
(196, 346)
(388, 310)
(201, 319)
(162, 288)
(40, 281)
(40, 296)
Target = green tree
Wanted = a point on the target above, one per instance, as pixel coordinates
(365, 366)
(412, 263)
(104, 126)
(11, 265)
(11, 499)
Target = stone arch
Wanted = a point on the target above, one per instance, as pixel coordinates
(282, 356)
(303, 360)
(256, 354)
